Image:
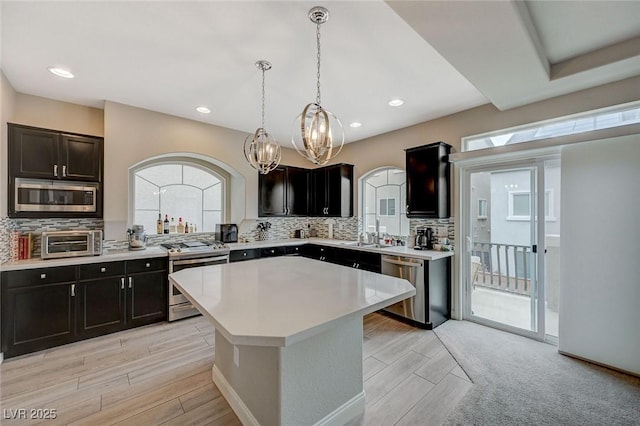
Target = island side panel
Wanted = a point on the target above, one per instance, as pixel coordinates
(322, 373)
(256, 378)
(298, 384)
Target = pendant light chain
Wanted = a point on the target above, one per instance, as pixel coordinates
(318, 73)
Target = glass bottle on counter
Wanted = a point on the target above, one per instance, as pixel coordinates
(159, 226)
(165, 228)
(180, 226)
(186, 227)
(172, 226)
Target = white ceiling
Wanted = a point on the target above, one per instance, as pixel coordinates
(441, 57)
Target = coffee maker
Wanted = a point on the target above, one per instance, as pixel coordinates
(424, 239)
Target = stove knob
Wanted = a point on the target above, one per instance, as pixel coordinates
(172, 250)
(179, 250)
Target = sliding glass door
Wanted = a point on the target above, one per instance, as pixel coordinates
(504, 255)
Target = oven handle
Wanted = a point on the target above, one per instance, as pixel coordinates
(183, 307)
(199, 260)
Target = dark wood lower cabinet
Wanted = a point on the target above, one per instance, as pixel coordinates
(37, 317)
(47, 307)
(147, 298)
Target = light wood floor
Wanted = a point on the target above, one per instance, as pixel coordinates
(161, 374)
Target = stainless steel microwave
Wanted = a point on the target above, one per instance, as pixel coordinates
(33, 195)
(71, 243)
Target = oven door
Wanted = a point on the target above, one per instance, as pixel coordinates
(179, 306)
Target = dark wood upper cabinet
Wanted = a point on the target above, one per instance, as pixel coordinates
(284, 191)
(332, 191)
(49, 154)
(428, 180)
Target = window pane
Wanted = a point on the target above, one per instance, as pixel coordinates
(163, 174)
(521, 205)
(213, 198)
(210, 220)
(147, 219)
(391, 206)
(383, 207)
(198, 177)
(146, 195)
(182, 201)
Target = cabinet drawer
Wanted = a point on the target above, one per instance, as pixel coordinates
(272, 251)
(146, 265)
(29, 277)
(293, 250)
(240, 255)
(100, 270)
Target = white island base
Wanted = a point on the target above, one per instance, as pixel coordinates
(288, 341)
(297, 384)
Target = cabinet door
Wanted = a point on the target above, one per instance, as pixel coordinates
(272, 192)
(147, 298)
(37, 317)
(339, 190)
(33, 152)
(428, 181)
(81, 158)
(319, 192)
(100, 306)
(297, 191)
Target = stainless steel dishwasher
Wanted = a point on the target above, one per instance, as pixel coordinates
(411, 270)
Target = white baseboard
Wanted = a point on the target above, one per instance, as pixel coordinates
(345, 413)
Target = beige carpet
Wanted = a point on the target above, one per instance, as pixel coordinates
(520, 381)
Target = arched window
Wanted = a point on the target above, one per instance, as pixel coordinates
(179, 188)
(384, 198)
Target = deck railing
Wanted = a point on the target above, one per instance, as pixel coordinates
(506, 267)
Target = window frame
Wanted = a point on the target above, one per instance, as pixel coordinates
(182, 160)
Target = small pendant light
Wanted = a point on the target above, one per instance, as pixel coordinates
(261, 149)
(318, 135)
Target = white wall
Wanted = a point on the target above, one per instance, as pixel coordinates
(7, 107)
(600, 252)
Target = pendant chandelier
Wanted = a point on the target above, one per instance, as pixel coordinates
(318, 135)
(261, 149)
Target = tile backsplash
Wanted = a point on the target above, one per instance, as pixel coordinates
(281, 228)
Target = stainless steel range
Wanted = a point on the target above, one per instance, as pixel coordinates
(190, 255)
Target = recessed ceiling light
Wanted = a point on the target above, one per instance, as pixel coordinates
(60, 72)
(203, 110)
(396, 102)
(355, 124)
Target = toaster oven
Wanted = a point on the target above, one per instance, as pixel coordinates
(57, 244)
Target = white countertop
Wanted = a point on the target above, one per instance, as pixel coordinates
(394, 250)
(281, 300)
(111, 256)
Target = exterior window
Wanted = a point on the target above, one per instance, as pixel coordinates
(387, 207)
(482, 209)
(383, 199)
(579, 123)
(520, 205)
(180, 190)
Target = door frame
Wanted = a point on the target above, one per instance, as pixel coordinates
(537, 165)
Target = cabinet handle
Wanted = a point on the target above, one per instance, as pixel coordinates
(273, 251)
(407, 209)
(130, 281)
(122, 283)
(148, 265)
(55, 170)
(64, 171)
(43, 276)
(73, 290)
(103, 269)
(244, 253)
(358, 265)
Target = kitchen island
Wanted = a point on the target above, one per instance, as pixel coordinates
(288, 340)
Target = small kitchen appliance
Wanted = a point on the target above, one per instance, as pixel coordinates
(227, 232)
(137, 237)
(424, 239)
(56, 244)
